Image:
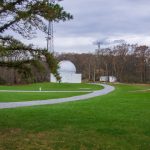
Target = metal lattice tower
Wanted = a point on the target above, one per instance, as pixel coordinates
(98, 43)
(106, 41)
(50, 34)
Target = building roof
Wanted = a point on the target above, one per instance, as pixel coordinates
(67, 66)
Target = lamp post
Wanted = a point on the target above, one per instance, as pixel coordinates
(50, 34)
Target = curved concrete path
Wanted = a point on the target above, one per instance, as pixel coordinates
(107, 89)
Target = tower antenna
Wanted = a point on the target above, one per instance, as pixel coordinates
(50, 34)
(106, 41)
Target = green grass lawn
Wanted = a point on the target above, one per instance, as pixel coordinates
(20, 97)
(17, 97)
(53, 86)
(117, 121)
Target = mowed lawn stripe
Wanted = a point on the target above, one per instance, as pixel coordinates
(48, 91)
(33, 96)
(53, 87)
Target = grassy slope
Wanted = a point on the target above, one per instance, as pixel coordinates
(117, 121)
(16, 97)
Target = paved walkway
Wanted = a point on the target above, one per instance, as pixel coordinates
(107, 89)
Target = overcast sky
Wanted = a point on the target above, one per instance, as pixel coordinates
(98, 19)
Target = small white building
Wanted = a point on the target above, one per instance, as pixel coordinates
(67, 72)
(104, 78)
(108, 79)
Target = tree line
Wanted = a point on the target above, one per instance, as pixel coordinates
(20, 63)
(24, 63)
(128, 63)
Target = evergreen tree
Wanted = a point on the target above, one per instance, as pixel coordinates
(26, 16)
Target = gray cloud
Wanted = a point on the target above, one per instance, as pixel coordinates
(104, 16)
(95, 19)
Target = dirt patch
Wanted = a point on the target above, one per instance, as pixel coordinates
(64, 139)
(16, 139)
